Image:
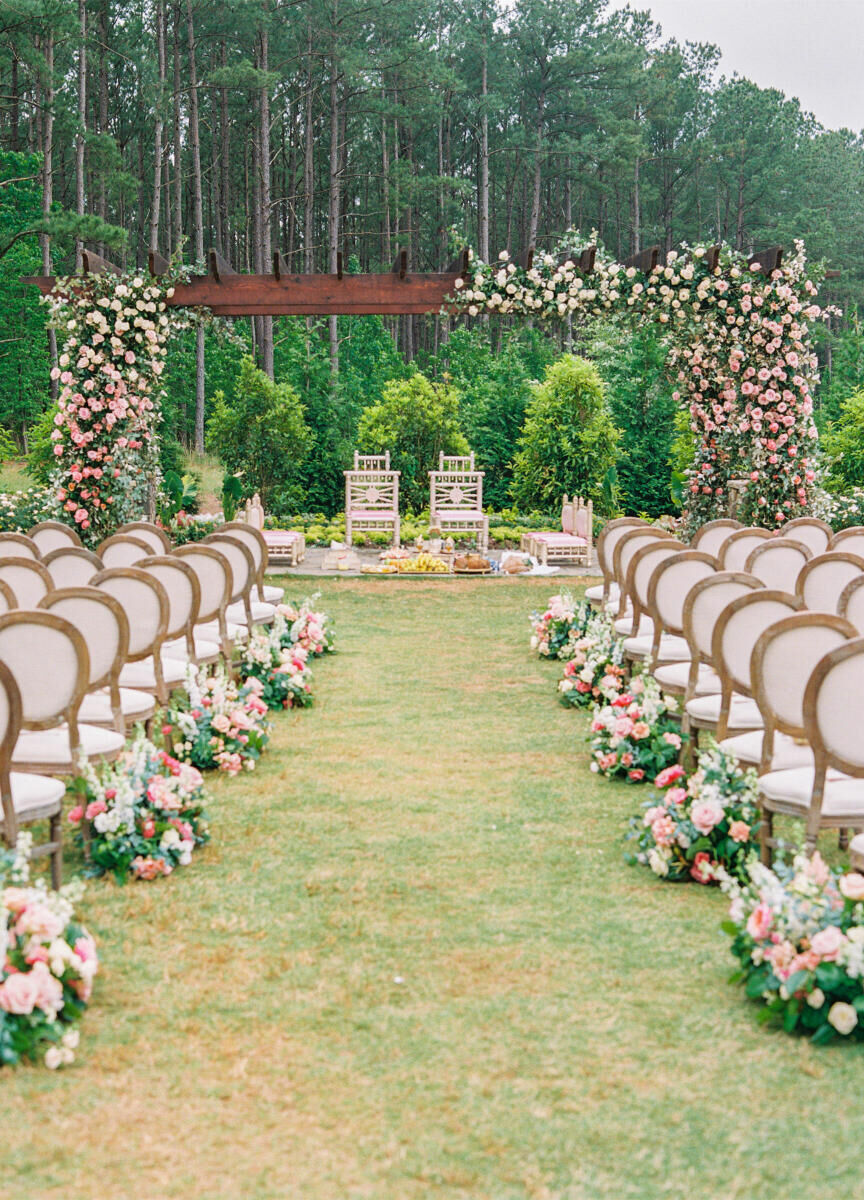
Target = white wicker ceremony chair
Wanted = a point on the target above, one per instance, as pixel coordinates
(778, 563)
(601, 595)
(28, 580)
(851, 540)
(456, 502)
(48, 657)
(643, 566)
(782, 662)
(26, 799)
(625, 550)
(123, 550)
(216, 583)
(53, 535)
(701, 609)
(72, 566)
(735, 634)
(822, 580)
(17, 545)
(668, 588)
(829, 794)
(713, 536)
(100, 618)
(736, 549)
(152, 535)
(241, 609)
(145, 603)
(816, 535)
(256, 544)
(372, 497)
(184, 601)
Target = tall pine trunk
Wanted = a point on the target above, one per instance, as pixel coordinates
(82, 125)
(158, 126)
(197, 222)
(264, 168)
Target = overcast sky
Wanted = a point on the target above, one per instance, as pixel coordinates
(812, 49)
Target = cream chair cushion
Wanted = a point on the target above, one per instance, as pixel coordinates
(672, 648)
(262, 614)
(35, 796)
(51, 746)
(96, 707)
(743, 712)
(275, 595)
(140, 674)
(209, 631)
(624, 627)
(747, 748)
(204, 649)
(677, 675)
(793, 789)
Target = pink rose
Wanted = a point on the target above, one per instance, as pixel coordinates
(641, 731)
(705, 815)
(739, 831)
(676, 795)
(827, 942)
(852, 886)
(669, 775)
(18, 993)
(759, 922)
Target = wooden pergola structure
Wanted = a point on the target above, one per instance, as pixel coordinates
(399, 291)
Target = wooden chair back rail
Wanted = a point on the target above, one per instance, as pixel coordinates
(51, 535)
(17, 545)
(103, 623)
(610, 534)
(28, 579)
(456, 490)
(34, 643)
(816, 535)
(703, 607)
(823, 579)
(625, 548)
(669, 587)
(371, 462)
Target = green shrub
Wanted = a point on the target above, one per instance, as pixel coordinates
(261, 435)
(568, 442)
(843, 444)
(415, 420)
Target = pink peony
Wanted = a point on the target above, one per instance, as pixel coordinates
(739, 831)
(19, 993)
(827, 942)
(705, 815)
(669, 775)
(759, 922)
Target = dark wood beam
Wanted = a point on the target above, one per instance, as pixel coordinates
(220, 268)
(646, 260)
(94, 264)
(768, 260)
(280, 266)
(525, 260)
(157, 263)
(712, 258)
(460, 264)
(339, 264)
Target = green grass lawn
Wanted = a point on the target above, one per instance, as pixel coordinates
(413, 964)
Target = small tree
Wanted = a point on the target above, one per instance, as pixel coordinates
(843, 443)
(568, 442)
(415, 420)
(262, 435)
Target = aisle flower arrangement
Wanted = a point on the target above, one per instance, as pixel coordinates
(50, 960)
(280, 666)
(798, 933)
(551, 629)
(144, 813)
(594, 670)
(636, 735)
(217, 723)
(308, 627)
(701, 824)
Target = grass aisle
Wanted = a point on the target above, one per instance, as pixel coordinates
(413, 964)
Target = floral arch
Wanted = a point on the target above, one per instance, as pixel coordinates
(739, 335)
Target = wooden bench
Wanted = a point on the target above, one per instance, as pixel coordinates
(456, 498)
(372, 497)
(283, 545)
(574, 542)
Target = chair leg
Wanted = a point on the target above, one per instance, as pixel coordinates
(843, 839)
(55, 832)
(766, 837)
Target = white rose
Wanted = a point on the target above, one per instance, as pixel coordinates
(816, 998)
(843, 1017)
(53, 1057)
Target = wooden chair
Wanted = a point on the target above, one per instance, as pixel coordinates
(26, 798)
(816, 535)
(287, 544)
(49, 658)
(627, 624)
(829, 794)
(147, 668)
(822, 580)
(456, 503)
(53, 535)
(608, 592)
(241, 610)
(713, 536)
(573, 544)
(637, 585)
(123, 550)
(778, 562)
(737, 547)
(255, 542)
(735, 634)
(780, 666)
(851, 603)
(184, 601)
(851, 540)
(669, 584)
(103, 624)
(703, 604)
(217, 585)
(17, 545)
(372, 498)
(72, 566)
(28, 580)
(153, 535)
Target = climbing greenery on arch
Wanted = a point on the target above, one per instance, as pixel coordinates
(739, 339)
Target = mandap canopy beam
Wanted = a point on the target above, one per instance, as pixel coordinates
(393, 293)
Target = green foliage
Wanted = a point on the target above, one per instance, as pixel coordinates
(179, 493)
(495, 386)
(843, 443)
(232, 494)
(40, 456)
(261, 434)
(415, 420)
(846, 374)
(632, 363)
(569, 442)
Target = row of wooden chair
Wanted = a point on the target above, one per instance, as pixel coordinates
(91, 643)
(757, 649)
